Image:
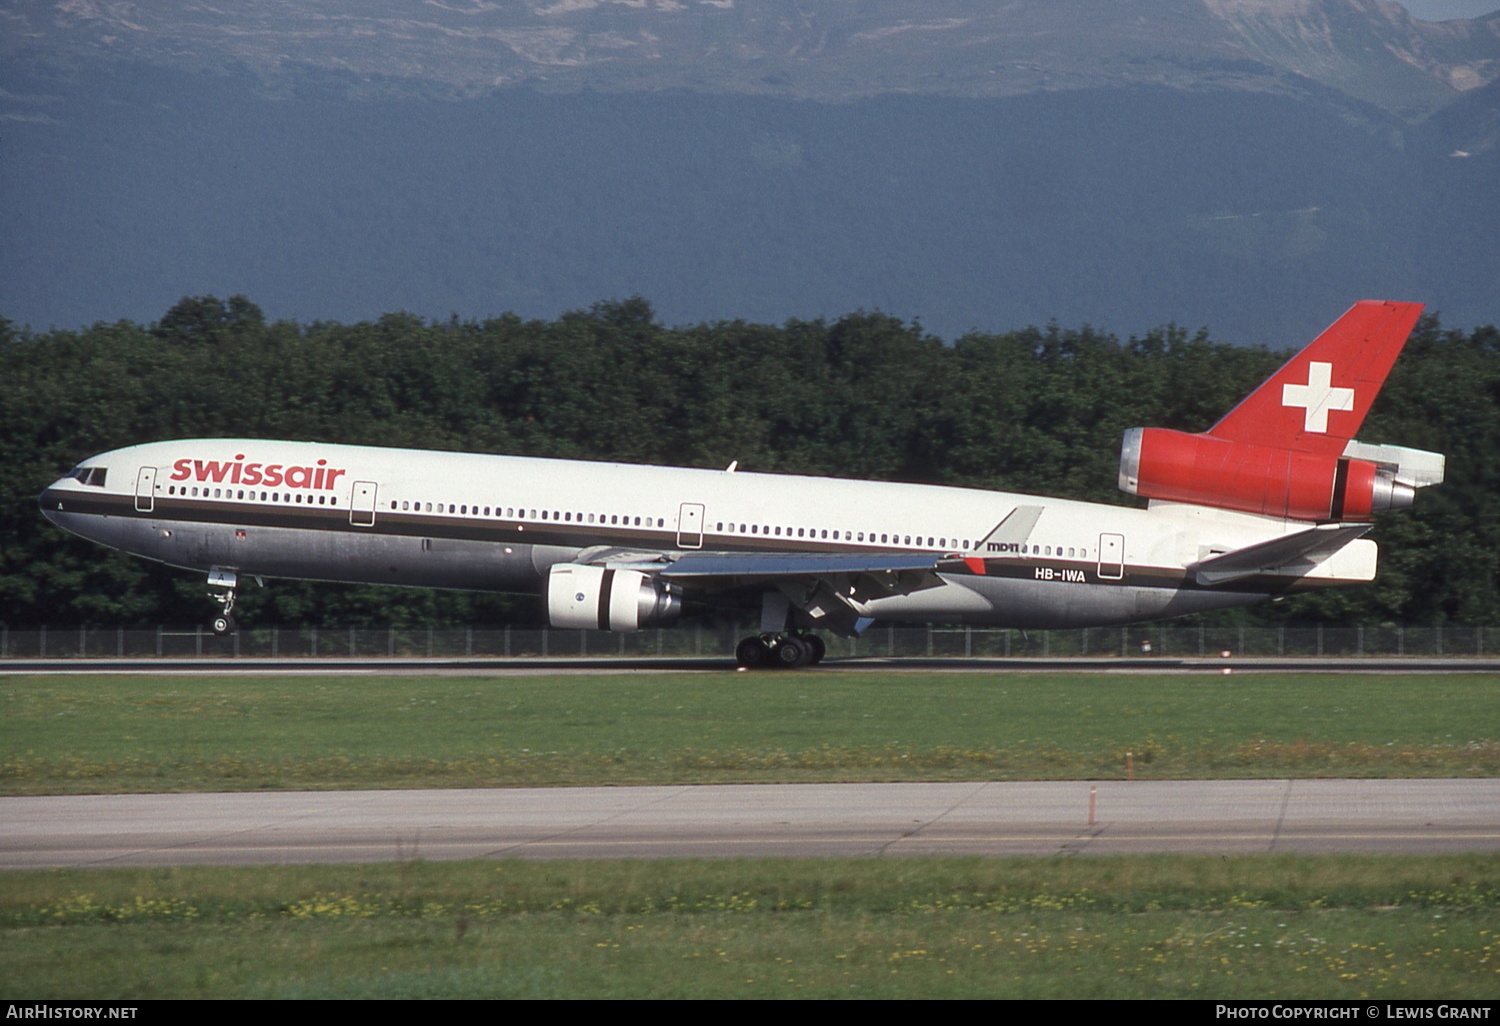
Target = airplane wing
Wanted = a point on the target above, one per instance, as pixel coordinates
(1291, 553)
(826, 588)
(798, 564)
(897, 572)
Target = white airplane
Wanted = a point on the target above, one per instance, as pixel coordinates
(1273, 499)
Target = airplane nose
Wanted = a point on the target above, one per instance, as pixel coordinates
(51, 503)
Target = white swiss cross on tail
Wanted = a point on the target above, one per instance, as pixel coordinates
(1318, 397)
(1362, 345)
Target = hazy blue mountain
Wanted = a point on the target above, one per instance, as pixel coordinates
(805, 49)
(1253, 165)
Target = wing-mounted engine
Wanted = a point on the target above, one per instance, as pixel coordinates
(597, 598)
(1204, 470)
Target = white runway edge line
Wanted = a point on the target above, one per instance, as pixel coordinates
(1230, 817)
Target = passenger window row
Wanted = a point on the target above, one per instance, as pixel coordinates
(249, 495)
(1057, 550)
(875, 538)
(515, 513)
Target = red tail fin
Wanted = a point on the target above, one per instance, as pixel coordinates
(1317, 401)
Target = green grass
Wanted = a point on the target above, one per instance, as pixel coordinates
(70, 734)
(1157, 926)
(1152, 926)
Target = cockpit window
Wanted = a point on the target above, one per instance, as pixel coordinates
(92, 476)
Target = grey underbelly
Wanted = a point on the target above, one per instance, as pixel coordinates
(350, 556)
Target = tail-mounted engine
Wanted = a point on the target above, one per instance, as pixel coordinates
(1207, 471)
(595, 598)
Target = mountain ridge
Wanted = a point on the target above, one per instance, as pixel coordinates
(830, 50)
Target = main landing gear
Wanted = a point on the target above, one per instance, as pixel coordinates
(779, 645)
(780, 651)
(225, 582)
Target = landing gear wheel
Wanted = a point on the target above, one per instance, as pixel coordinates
(223, 625)
(784, 652)
(791, 653)
(752, 653)
(816, 649)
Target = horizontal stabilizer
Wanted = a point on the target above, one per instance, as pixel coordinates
(1290, 553)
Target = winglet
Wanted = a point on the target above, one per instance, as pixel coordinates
(1011, 532)
(1318, 399)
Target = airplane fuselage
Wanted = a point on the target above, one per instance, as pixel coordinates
(314, 511)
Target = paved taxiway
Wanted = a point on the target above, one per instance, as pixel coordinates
(809, 820)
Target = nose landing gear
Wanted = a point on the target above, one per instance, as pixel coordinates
(225, 582)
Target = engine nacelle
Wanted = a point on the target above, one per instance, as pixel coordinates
(1177, 467)
(594, 598)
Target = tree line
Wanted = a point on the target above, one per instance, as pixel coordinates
(866, 396)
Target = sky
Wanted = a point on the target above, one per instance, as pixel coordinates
(1446, 10)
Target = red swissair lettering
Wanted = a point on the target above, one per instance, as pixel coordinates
(271, 475)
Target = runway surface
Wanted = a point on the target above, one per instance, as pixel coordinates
(1234, 817)
(528, 665)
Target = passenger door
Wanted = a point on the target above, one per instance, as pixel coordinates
(145, 490)
(1111, 557)
(362, 504)
(690, 525)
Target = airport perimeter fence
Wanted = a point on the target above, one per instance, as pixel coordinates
(719, 641)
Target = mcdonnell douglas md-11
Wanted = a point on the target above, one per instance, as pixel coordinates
(1273, 499)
